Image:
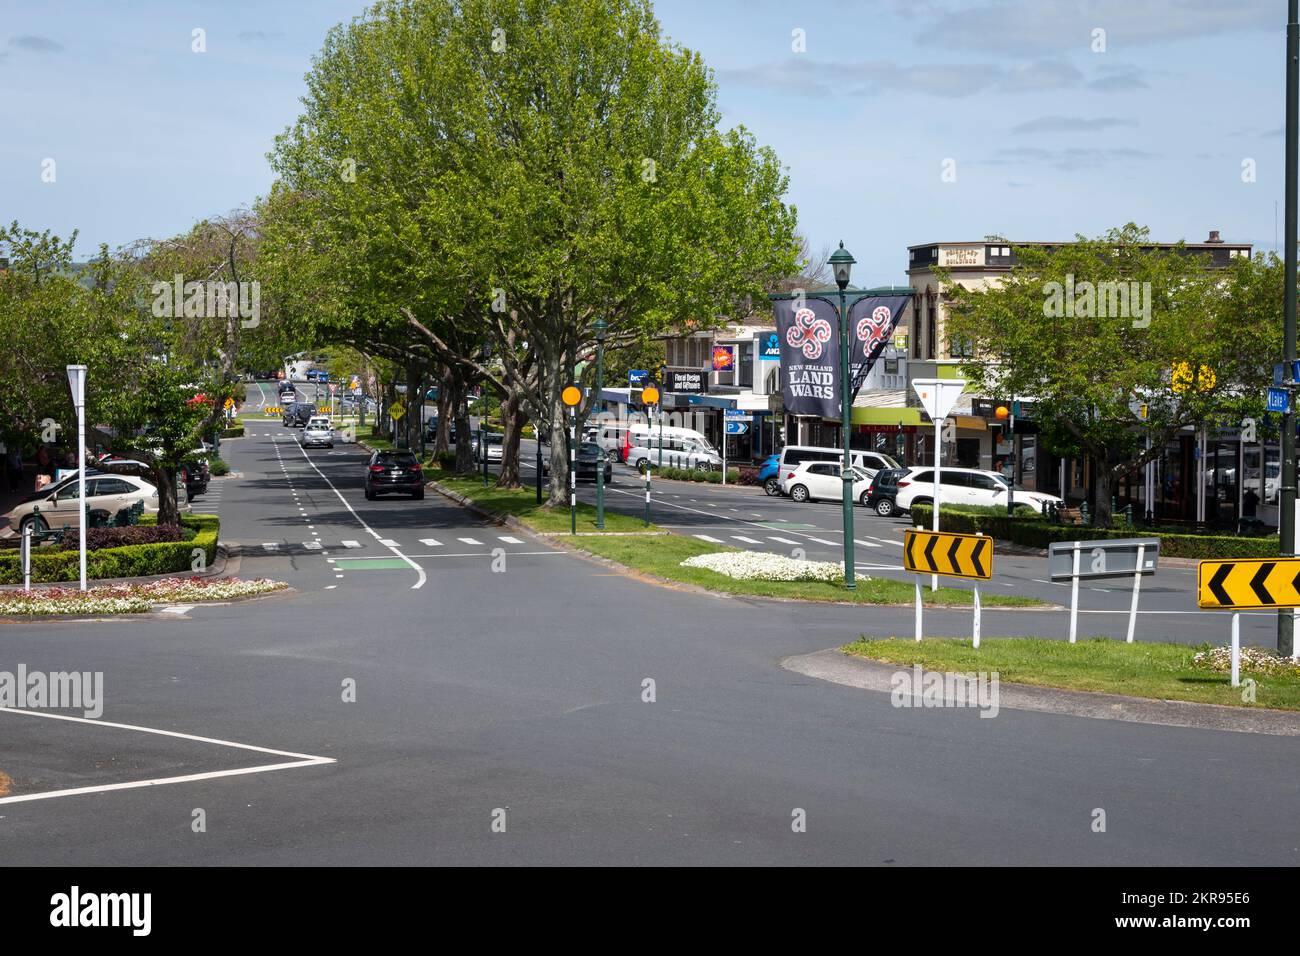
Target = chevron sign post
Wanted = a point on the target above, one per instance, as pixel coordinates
(1247, 585)
(950, 554)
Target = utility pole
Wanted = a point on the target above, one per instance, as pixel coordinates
(1286, 521)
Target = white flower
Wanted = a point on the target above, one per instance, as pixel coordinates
(1254, 660)
(762, 566)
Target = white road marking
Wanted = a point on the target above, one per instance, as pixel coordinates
(351, 544)
(482, 554)
(270, 546)
(833, 544)
(508, 540)
(741, 537)
(867, 544)
(431, 542)
(330, 587)
(177, 608)
(470, 541)
(772, 537)
(389, 543)
(300, 760)
(705, 537)
(314, 545)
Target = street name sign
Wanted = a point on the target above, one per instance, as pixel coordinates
(1279, 400)
(943, 552)
(1102, 558)
(1248, 583)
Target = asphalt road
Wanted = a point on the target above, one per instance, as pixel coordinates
(516, 693)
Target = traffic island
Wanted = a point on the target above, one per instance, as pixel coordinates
(520, 505)
(130, 598)
(1153, 671)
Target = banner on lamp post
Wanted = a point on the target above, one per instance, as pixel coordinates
(810, 356)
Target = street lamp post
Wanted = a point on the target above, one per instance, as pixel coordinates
(842, 264)
(600, 327)
(77, 381)
(663, 385)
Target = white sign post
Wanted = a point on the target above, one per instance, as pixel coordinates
(938, 396)
(77, 381)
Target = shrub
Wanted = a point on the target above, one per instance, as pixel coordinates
(1035, 532)
(99, 538)
(447, 461)
(747, 476)
(218, 466)
(236, 430)
(127, 561)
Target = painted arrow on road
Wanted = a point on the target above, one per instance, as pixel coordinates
(941, 552)
(1249, 583)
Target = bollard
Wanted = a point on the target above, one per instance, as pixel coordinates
(27, 557)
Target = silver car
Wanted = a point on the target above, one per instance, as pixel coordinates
(494, 447)
(318, 431)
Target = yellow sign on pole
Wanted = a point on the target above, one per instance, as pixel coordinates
(397, 411)
(1248, 583)
(649, 395)
(943, 552)
(230, 403)
(571, 396)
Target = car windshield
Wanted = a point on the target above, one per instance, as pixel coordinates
(391, 458)
(589, 448)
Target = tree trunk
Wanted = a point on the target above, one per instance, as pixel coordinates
(511, 421)
(559, 489)
(1101, 475)
(168, 509)
(441, 441)
(464, 455)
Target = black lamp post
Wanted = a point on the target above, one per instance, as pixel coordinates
(841, 262)
(600, 327)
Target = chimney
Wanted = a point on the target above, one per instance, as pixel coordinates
(1214, 236)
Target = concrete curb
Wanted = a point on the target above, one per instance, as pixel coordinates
(835, 666)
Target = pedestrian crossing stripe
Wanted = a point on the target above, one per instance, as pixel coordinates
(705, 537)
(1253, 583)
(509, 540)
(431, 542)
(470, 541)
(389, 543)
(351, 544)
(943, 552)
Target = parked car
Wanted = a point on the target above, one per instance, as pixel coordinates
(195, 472)
(677, 452)
(769, 474)
(884, 486)
(964, 486)
(643, 436)
(494, 444)
(298, 414)
(871, 462)
(58, 505)
(822, 481)
(318, 431)
(587, 459)
(394, 471)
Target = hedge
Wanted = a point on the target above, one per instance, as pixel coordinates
(97, 539)
(236, 430)
(697, 474)
(129, 561)
(1034, 532)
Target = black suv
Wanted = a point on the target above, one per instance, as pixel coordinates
(298, 414)
(883, 490)
(394, 471)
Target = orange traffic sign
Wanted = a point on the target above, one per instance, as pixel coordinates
(571, 396)
(650, 395)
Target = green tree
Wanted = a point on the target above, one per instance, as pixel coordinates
(1093, 330)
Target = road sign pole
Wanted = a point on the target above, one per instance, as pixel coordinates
(724, 452)
(1286, 517)
(975, 630)
(537, 438)
(1074, 596)
(1236, 649)
(27, 557)
(573, 467)
(934, 518)
(1137, 588)
(918, 607)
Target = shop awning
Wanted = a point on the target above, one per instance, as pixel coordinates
(886, 416)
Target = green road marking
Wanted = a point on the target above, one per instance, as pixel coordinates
(370, 564)
(785, 526)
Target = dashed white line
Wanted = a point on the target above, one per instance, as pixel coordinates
(705, 537)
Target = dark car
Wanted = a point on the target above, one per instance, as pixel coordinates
(394, 471)
(884, 488)
(587, 458)
(298, 414)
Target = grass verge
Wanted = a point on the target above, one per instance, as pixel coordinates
(1156, 671)
(522, 504)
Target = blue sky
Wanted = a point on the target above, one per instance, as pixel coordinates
(1048, 138)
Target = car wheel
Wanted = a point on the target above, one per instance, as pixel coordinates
(772, 486)
(35, 522)
(885, 507)
(799, 493)
(862, 499)
(370, 495)
(641, 464)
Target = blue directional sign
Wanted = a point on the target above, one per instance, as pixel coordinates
(739, 414)
(1279, 400)
(1295, 371)
(637, 377)
(736, 428)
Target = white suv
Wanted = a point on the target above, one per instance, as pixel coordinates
(964, 486)
(821, 480)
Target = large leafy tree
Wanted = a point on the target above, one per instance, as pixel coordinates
(1199, 350)
(504, 175)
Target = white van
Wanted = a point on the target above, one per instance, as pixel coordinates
(642, 434)
(681, 448)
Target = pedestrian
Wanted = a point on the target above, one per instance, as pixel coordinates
(44, 467)
(1249, 503)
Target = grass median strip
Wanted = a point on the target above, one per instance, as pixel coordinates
(522, 503)
(1151, 670)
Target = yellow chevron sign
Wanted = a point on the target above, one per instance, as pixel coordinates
(941, 552)
(1248, 583)
(272, 410)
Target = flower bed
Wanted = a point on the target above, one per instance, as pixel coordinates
(127, 561)
(130, 598)
(762, 566)
(1254, 660)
